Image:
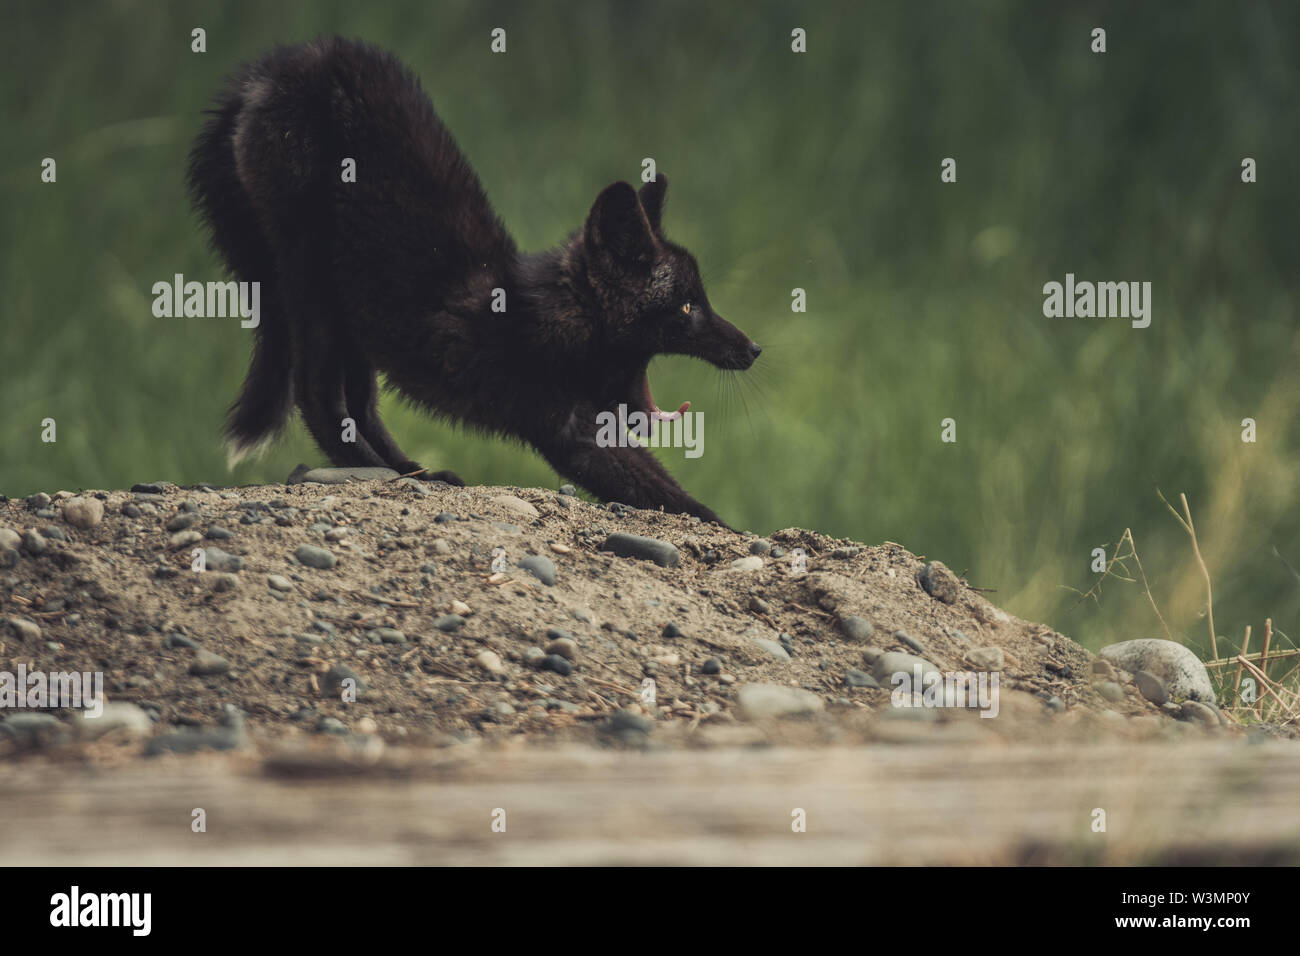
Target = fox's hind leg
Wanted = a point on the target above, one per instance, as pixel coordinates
(362, 394)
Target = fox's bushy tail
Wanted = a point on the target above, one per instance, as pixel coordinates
(224, 204)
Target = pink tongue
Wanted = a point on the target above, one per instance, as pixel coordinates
(655, 413)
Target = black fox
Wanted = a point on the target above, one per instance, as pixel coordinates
(399, 270)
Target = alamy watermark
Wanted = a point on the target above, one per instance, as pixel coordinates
(1100, 300)
(624, 429)
(208, 300)
(977, 690)
(38, 690)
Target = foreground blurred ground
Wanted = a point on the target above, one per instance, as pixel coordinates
(1204, 803)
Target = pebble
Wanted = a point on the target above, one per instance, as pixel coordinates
(1111, 691)
(565, 647)
(1151, 687)
(389, 635)
(490, 661)
(83, 512)
(218, 533)
(183, 539)
(34, 544)
(33, 730)
(449, 622)
(987, 658)
(540, 567)
(1194, 710)
(218, 560)
(314, 557)
(9, 538)
(711, 666)
(759, 701)
(332, 680)
(461, 608)
(181, 521)
(646, 549)
(759, 547)
(207, 664)
(554, 662)
(180, 640)
(516, 505)
(773, 648)
(904, 638)
(750, 563)
(128, 718)
(279, 583)
(857, 678)
(534, 656)
(893, 662)
(192, 741)
(940, 583)
(857, 628)
(27, 630)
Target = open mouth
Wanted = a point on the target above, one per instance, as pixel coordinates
(653, 410)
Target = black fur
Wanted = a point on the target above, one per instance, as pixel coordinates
(395, 273)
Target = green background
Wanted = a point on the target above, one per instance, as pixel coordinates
(818, 171)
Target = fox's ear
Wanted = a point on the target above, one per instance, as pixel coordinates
(618, 225)
(653, 196)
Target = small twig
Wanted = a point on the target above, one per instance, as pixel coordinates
(1190, 528)
(1245, 647)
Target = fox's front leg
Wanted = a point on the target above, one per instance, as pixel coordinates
(630, 475)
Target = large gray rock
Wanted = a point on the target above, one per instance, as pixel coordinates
(894, 662)
(759, 701)
(1182, 672)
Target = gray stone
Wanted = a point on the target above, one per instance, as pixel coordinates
(857, 678)
(1151, 687)
(773, 648)
(540, 567)
(314, 557)
(279, 583)
(25, 629)
(646, 549)
(218, 560)
(207, 664)
(749, 563)
(566, 647)
(940, 583)
(1194, 710)
(894, 662)
(857, 628)
(904, 638)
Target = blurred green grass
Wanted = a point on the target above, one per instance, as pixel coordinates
(818, 171)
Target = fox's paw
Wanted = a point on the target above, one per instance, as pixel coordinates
(412, 470)
(450, 477)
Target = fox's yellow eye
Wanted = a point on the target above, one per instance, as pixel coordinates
(686, 309)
